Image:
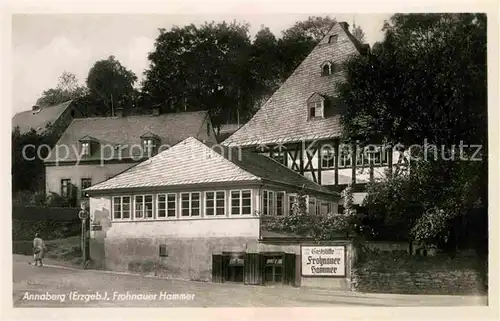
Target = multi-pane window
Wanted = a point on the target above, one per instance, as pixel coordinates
(345, 159)
(327, 158)
(215, 203)
(268, 203)
(143, 205)
(279, 157)
(121, 207)
(148, 145)
(66, 188)
(291, 202)
(86, 183)
(86, 148)
(241, 202)
(315, 109)
(312, 205)
(190, 204)
(326, 208)
(167, 205)
(280, 203)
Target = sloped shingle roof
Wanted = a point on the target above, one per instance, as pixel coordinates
(193, 162)
(113, 132)
(38, 119)
(284, 118)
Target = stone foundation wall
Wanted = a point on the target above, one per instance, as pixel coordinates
(187, 258)
(386, 273)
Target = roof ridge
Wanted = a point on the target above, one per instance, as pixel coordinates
(142, 116)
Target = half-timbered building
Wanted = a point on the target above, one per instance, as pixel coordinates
(300, 125)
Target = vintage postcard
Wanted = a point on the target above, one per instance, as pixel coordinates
(247, 158)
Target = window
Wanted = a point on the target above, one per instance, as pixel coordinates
(291, 201)
(280, 203)
(66, 188)
(312, 205)
(345, 158)
(279, 157)
(241, 202)
(121, 207)
(86, 183)
(86, 149)
(333, 39)
(325, 71)
(143, 206)
(167, 205)
(268, 203)
(190, 204)
(215, 203)
(273, 269)
(326, 208)
(148, 145)
(327, 158)
(315, 109)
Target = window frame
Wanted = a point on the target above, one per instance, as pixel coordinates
(167, 209)
(214, 207)
(86, 179)
(283, 203)
(190, 208)
(331, 153)
(240, 200)
(268, 202)
(121, 208)
(290, 204)
(68, 188)
(86, 148)
(144, 218)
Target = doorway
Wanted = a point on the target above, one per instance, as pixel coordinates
(273, 269)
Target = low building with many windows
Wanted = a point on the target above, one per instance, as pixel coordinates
(194, 211)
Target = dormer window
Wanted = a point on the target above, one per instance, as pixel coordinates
(327, 68)
(87, 145)
(86, 148)
(316, 106)
(333, 39)
(150, 144)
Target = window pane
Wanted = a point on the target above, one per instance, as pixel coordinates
(246, 209)
(221, 211)
(210, 195)
(265, 202)
(210, 211)
(171, 197)
(235, 210)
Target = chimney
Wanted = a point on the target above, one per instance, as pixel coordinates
(119, 112)
(35, 107)
(344, 25)
(156, 110)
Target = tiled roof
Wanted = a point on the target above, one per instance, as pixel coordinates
(193, 162)
(38, 119)
(124, 133)
(284, 117)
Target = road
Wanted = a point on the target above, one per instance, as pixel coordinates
(74, 288)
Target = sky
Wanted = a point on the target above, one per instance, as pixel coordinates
(46, 45)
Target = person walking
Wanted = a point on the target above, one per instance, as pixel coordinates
(38, 249)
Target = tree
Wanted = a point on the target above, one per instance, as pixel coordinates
(298, 41)
(264, 64)
(358, 33)
(111, 85)
(28, 171)
(203, 68)
(415, 88)
(66, 89)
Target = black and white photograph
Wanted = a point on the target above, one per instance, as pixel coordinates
(239, 159)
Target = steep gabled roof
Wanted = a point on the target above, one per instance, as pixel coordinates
(40, 118)
(283, 118)
(193, 162)
(122, 135)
